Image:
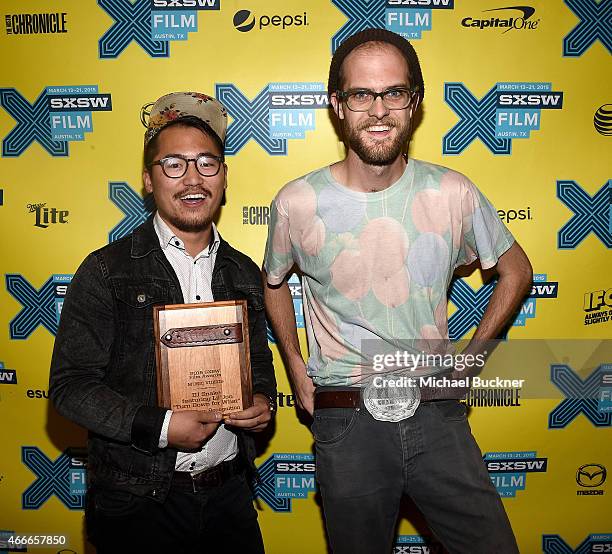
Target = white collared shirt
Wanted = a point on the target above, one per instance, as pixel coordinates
(195, 277)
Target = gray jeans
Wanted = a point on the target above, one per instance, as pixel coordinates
(364, 466)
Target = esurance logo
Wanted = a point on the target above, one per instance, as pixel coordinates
(152, 24)
(281, 111)
(592, 214)
(508, 470)
(597, 306)
(508, 111)
(554, 544)
(59, 115)
(471, 304)
(283, 477)
(591, 397)
(407, 18)
(523, 22)
(245, 21)
(63, 477)
(594, 25)
(40, 307)
(416, 544)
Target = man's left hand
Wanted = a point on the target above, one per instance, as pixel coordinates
(255, 418)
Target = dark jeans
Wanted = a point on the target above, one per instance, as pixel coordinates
(364, 466)
(216, 519)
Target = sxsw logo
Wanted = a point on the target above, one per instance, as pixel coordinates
(281, 111)
(506, 112)
(150, 23)
(63, 478)
(471, 304)
(541, 288)
(407, 18)
(416, 544)
(136, 209)
(7, 376)
(594, 24)
(591, 397)
(295, 287)
(283, 477)
(59, 115)
(592, 214)
(40, 307)
(508, 470)
(554, 544)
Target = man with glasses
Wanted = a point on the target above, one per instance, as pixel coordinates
(163, 481)
(377, 237)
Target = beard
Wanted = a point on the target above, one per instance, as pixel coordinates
(192, 222)
(382, 152)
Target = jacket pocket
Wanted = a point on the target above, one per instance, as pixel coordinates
(136, 298)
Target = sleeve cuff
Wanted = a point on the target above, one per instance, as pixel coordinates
(163, 437)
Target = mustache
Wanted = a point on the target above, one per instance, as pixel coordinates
(192, 190)
(388, 121)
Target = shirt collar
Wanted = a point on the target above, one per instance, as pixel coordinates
(168, 238)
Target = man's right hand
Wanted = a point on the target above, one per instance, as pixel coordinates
(305, 389)
(189, 430)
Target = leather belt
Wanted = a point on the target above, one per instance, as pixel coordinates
(337, 399)
(329, 398)
(211, 477)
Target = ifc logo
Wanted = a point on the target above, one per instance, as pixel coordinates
(603, 120)
(244, 21)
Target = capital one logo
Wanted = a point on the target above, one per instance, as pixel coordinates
(40, 307)
(595, 17)
(283, 477)
(136, 209)
(592, 214)
(281, 111)
(591, 397)
(471, 304)
(554, 544)
(508, 111)
(407, 18)
(150, 23)
(63, 477)
(59, 115)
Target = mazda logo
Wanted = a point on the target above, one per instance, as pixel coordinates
(591, 475)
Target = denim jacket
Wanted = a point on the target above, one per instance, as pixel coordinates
(103, 370)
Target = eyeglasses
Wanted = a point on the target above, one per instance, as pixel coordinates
(175, 167)
(361, 100)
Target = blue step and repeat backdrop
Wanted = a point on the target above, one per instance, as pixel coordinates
(519, 98)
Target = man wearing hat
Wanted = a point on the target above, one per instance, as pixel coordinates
(160, 481)
(377, 237)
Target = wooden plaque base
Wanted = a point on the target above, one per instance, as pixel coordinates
(203, 360)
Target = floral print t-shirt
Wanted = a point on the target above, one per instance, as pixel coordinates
(376, 266)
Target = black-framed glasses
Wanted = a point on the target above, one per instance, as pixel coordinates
(175, 167)
(361, 100)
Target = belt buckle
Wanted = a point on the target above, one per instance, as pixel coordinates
(212, 477)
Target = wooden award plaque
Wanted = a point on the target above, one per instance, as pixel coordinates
(203, 357)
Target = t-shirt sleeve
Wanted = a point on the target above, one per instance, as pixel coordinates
(484, 236)
(278, 258)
